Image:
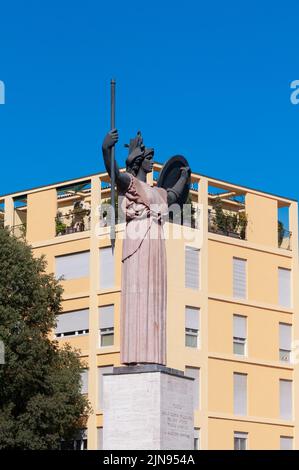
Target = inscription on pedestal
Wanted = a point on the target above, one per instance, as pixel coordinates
(148, 411)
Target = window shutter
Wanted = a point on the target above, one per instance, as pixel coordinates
(191, 267)
(101, 371)
(239, 278)
(240, 394)
(285, 336)
(286, 405)
(192, 318)
(72, 266)
(194, 373)
(106, 316)
(239, 326)
(286, 443)
(84, 381)
(284, 281)
(72, 321)
(106, 268)
(100, 438)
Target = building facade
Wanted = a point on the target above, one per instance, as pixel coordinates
(232, 311)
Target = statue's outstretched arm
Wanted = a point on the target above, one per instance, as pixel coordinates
(174, 193)
(122, 180)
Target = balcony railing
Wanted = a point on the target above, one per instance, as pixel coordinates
(284, 239)
(232, 226)
(72, 222)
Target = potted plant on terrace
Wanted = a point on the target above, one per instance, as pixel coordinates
(225, 223)
(60, 225)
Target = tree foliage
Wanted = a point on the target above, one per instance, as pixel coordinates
(40, 384)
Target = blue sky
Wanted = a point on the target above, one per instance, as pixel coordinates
(209, 80)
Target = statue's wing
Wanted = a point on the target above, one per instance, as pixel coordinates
(171, 173)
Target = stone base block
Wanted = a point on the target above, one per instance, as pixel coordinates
(147, 407)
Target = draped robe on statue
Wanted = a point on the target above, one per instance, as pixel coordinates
(144, 289)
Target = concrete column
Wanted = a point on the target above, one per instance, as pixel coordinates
(150, 178)
(41, 213)
(203, 229)
(293, 215)
(93, 310)
(8, 211)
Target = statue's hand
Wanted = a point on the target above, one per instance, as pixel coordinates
(185, 172)
(110, 139)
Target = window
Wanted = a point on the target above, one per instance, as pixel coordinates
(240, 440)
(191, 267)
(239, 278)
(79, 443)
(286, 443)
(100, 438)
(192, 327)
(106, 322)
(84, 381)
(286, 399)
(240, 335)
(106, 268)
(196, 439)
(285, 340)
(101, 371)
(72, 323)
(240, 394)
(284, 287)
(195, 374)
(72, 266)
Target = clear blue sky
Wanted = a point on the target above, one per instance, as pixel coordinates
(210, 80)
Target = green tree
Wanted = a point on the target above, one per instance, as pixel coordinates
(40, 384)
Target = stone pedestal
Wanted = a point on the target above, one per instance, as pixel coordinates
(147, 407)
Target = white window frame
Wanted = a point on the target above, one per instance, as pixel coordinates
(238, 436)
(196, 441)
(238, 339)
(283, 351)
(73, 333)
(194, 332)
(81, 441)
(106, 331)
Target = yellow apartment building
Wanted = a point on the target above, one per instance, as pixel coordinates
(232, 312)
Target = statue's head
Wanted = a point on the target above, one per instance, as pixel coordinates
(139, 156)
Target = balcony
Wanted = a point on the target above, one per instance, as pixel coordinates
(72, 222)
(284, 238)
(227, 213)
(230, 225)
